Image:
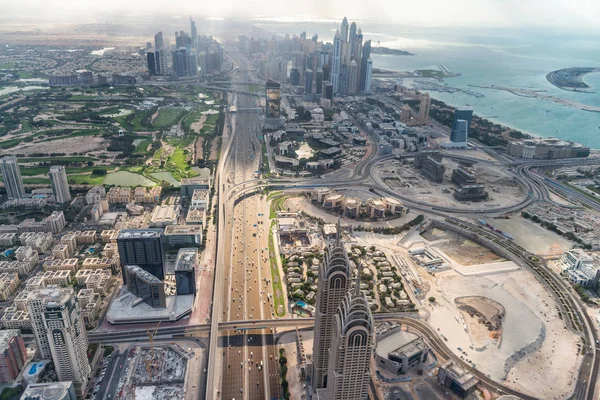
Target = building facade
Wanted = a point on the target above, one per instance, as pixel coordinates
(60, 333)
(146, 286)
(11, 175)
(12, 355)
(144, 248)
(60, 185)
(333, 284)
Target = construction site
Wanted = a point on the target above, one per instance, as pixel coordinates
(478, 300)
(157, 370)
(442, 181)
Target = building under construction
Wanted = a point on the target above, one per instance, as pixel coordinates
(471, 193)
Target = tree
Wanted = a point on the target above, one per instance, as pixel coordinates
(431, 299)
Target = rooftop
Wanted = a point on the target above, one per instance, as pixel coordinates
(139, 233)
(186, 259)
(126, 309)
(5, 336)
(183, 230)
(48, 391)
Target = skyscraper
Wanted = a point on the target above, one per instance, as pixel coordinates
(352, 77)
(461, 125)
(368, 75)
(194, 33)
(366, 54)
(12, 177)
(185, 267)
(60, 185)
(308, 80)
(273, 99)
(424, 108)
(151, 60)
(319, 81)
(336, 62)
(142, 247)
(333, 284)
(160, 54)
(350, 351)
(352, 39)
(13, 355)
(344, 30)
(60, 333)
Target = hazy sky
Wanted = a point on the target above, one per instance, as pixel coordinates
(563, 13)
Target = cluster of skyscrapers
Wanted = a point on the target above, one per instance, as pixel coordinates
(13, 183)
(343, 331)
(323, 70)
(192, 54)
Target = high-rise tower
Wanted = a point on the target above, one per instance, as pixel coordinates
(333, 284)
(60, 333)
(60, 185)
(344, 30)
(366, 54)
(194, 33)
(352, 39)
(424, 108)
(350, 351)
(160, 55)
(12, 177)
(336, 62)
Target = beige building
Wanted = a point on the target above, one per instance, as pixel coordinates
(85, 237)
(119, 195)
(33, 283)
(97, 280)
(8, 239)
(61, 251)
(89, 302)
(109, 236)
(60, 277)
(39, 241)
(70, 240)
(145, 195)
(8, 284)
(98, 263)
(14, 318)
(110, 250)
(67, 264)
(17, 267)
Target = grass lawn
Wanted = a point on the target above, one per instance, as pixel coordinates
(178, 158)
(142, 147)
(25, 126)
(85, 179)
(7, 65)
(158, 153)
(167, 117)
(7, 144)
(81, 97)
(278, 298)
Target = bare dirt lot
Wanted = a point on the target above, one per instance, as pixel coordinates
(461, 249)
(65, 146)
(502, 188)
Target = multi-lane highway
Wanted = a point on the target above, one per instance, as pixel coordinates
(246, 358)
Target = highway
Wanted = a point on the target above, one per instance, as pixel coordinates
(246, 273)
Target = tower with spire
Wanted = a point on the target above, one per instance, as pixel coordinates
(350, 351)
(332, 287)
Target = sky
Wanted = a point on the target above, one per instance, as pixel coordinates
(576, 14)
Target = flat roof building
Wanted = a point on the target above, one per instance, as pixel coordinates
(185, 271)
(50, 391)
(457, 379)
(183, 235)
(144, 248)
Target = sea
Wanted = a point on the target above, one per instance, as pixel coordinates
(509, 57)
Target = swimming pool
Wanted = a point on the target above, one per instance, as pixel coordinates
(34, 368)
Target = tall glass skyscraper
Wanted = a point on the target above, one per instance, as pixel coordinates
(12, 177)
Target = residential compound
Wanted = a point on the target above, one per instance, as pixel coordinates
(546, 149)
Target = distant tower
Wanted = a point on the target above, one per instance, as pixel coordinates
(350, 351)
(194, 33)
(461, 124)
(60, 333)
(308, 80)
(424, 108)
(12, 177)
(160, 54)
(60, 185)
(366, 54)
(336, 62)
(333, 284)
(368, 75)
(151, 60)
(344, 30)
(352, 39)
(352, 77)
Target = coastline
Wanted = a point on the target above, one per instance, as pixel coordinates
(571, 79)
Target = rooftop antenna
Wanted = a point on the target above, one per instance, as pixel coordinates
(339, 232)
(357, 284)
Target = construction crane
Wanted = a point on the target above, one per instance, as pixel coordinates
(151, 335)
